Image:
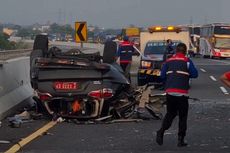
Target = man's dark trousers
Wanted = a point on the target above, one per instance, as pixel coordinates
(176, 105)
(126, 68)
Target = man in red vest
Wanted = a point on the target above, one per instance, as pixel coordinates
(176, 72)
(125, 52)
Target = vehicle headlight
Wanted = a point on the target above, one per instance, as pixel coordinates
(217, 50)
(146, 64)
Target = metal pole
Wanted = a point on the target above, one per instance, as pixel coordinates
(82, 45)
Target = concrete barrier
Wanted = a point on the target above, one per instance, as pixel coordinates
(9, 54)
(14, 84)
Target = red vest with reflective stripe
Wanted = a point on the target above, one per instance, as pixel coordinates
(126, 52)
(177, 80)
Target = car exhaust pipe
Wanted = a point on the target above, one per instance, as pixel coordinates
(48, 108)
(97, 109)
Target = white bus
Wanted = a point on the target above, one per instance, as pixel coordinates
(215, 40)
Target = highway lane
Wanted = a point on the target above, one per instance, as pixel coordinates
(207, 132)
(207, 86)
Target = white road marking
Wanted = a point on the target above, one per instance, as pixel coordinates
(213, 78)
(211, 64)
(224, 90)
(203, 70)
(227, 62)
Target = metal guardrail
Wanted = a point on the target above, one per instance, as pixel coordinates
(9, 54)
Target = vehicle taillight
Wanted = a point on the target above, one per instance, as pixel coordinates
(104, 93)
(218, 54)
(44, 96)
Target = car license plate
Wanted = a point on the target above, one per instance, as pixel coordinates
(66, 85)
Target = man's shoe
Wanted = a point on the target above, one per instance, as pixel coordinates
(181, 142)
(159, 137)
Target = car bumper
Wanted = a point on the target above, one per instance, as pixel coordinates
(150, 75)
(225, 54)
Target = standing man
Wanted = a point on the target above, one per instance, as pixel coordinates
(125, 52)
(225, 78)
(176, 72)
(169, 47)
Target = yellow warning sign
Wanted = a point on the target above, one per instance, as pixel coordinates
(81, 32)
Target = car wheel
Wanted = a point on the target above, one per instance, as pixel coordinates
(33, 71)
(41, 43)
(223, 58)
(205, 56)
(109, 52)
(35, 54)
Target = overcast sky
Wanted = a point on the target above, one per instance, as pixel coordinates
(115, 13)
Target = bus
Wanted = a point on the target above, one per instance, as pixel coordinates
(215, 40)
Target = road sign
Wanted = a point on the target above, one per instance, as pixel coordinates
(81, 32)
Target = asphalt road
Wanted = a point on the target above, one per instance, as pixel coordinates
(208, 125)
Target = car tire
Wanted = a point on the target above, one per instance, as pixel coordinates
(41, 43)
(205, 56)
(222, 58)
(35, 54)
(33, 71)
(109, 52)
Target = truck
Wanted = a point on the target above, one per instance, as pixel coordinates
(131, 32)
(134, 35)
(153, 48)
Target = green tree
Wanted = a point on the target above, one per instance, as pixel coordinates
(25, 32)
(4, 42)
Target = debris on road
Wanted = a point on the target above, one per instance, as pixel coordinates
(17, 120)
(125, 120)
(60, 120)
(48, 133)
